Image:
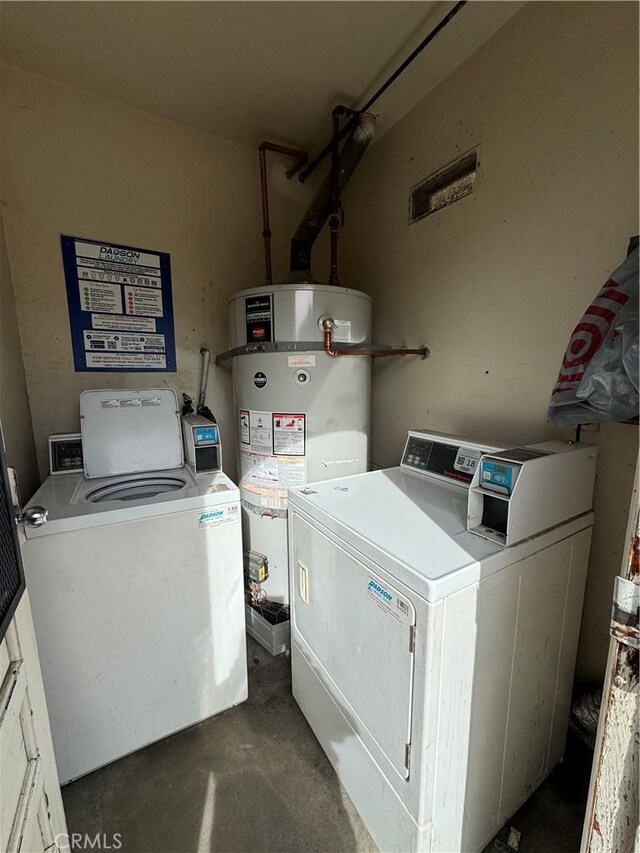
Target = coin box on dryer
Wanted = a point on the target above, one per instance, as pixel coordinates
(523, 491)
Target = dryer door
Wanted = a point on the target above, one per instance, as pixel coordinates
(360, 629)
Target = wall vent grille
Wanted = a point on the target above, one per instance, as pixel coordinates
(444, 187)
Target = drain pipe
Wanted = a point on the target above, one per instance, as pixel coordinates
(328, 325)
(300, 159)
(322, 205)
(206, 358)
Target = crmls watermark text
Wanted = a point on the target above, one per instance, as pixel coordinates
(85, 841)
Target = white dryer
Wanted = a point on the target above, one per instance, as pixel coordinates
(136, 586)
(435, 665)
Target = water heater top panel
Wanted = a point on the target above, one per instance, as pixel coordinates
(294, 288)
(294, 312)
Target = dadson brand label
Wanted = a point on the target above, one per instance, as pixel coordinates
(388, 600)
(218, 515)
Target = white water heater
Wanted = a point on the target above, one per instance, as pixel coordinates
(302, 415)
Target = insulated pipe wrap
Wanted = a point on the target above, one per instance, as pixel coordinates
(318, 211)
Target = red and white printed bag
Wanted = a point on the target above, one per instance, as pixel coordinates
(598, 380)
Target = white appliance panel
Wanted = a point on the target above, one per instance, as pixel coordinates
(489, 712)
(361, 628)
(140, 629)
(389, 822)
(128, 431)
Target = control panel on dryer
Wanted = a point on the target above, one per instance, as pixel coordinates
(443, 456)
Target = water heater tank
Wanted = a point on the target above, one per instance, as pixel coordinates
(302, 415)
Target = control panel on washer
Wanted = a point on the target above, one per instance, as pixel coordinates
(443, 456)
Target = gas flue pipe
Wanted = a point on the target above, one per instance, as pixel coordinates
(300, 159)
(375, 352)
(321, 206)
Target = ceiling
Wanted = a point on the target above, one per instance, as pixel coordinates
(245, 70)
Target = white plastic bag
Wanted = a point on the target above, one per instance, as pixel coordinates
(598, 380)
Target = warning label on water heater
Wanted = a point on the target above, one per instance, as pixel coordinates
(271, 474)
(245, 431)
(260, 432)
(342, 331)
(289, 434)
(273, 452)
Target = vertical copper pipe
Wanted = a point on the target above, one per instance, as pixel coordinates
(328, 348)
(301, 158)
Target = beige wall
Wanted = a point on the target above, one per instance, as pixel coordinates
(15, 414)
(495, 283)
(74, 163)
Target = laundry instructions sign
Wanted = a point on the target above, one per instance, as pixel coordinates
(120, 307)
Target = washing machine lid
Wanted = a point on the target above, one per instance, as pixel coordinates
(128, 431)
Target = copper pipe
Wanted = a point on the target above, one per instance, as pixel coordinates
(423, 352)
(301, 159)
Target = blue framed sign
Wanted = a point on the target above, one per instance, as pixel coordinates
(120, 307)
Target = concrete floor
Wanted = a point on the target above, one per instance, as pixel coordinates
(255, 780)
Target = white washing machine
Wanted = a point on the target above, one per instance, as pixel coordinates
(136, 586)
(435, 665)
